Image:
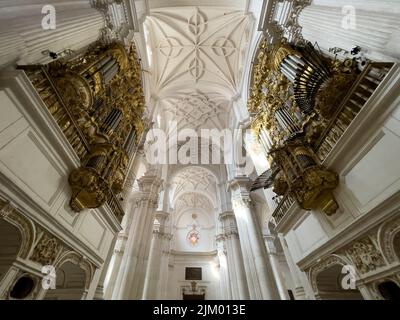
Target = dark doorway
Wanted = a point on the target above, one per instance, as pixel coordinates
(10, 244)
(22, 288)
(389, 290)
(193, 296)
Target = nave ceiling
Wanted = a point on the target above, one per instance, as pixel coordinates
(197, 58)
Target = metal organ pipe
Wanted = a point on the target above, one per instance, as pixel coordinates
(112, 121)
(130, 142)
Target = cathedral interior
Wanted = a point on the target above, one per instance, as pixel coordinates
(199, 150)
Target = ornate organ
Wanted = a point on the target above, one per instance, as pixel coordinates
(97, 99)
(295, 93)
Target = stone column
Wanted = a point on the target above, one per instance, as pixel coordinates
(236, 270)
(257, 266)
(225, 283)
(131, 276)
(162, 291)
(115, 265)
(365, 292)
(376, 26)
(129, 198)
(100, 290)
(299, 291)
(275, 265)
(153, 273)
(23, 39)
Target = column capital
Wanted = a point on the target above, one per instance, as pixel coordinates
(240, 189)
(220, 237)
(241, 183)
(226, 215)
(162, 234)
(149, 183)
(269, 243)
(149, 186)
(229, 224)
(151, 198)
(161, 215)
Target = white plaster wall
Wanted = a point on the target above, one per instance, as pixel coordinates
(376, 175)
(372, 177)
(205, 227)
(286, 274)
(309, 234)
(35, 161)
(366, 159)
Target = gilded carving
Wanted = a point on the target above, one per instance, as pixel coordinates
(89, 190)
(46, 251)
(99, 95)
(96, 98)
(295, 92)
(365, 255)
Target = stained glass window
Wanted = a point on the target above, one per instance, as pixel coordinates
(193, 235)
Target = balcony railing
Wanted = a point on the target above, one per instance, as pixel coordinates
(283, 207)
(115, 206)
(365, 85)
(51, 97)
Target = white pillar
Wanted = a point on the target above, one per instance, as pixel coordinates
(376, 28)
(162, 292)
(225, 284)
(129, 196)
(365, 292)
(299, 291)
(275, 265)
(236, 269)
(153, 273)
(131, 276)
(23, 38)
(100, 290)
(257, 266)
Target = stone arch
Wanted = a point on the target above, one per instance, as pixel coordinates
(387, 234)
(78, 260)
(325, 264)
(25, 226)
(180, 172)
(179, 168)
(375, 285)
(10, 246)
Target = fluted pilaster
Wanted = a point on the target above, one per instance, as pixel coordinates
(236, 269)
(159, 243)
(131, 276)
(275, 265)
(257, 266)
